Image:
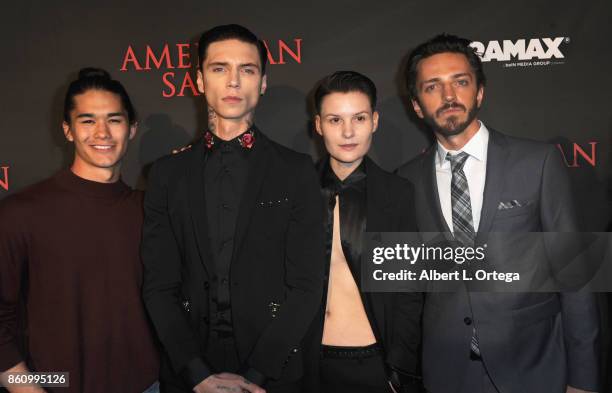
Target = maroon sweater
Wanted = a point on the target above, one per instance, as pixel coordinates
(70, 248)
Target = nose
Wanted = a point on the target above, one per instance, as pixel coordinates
(233, 79)
(448, 92)
(347, 129)
(102, 131)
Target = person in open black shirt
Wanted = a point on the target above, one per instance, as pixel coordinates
(360, 342)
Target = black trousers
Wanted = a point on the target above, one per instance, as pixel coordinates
(353, 370)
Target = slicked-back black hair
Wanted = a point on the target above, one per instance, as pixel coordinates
(97, 79)
(231, 32)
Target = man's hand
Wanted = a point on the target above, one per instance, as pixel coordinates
(227, 383)
(571, 389)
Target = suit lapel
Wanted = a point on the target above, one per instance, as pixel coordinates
(497, 154)
(258, 169)
(197, 205)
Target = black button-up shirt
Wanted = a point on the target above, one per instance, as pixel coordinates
(351, 193)
(225, 176)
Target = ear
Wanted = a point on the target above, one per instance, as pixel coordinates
(417, 107)
(200, 81)
(480, 95)
(375, 117)
(133, 129)
(264, 85)
(318, 125)
(67, 131)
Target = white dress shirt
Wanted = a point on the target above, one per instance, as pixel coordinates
(475, 170)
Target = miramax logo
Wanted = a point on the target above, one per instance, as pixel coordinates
(523, 52)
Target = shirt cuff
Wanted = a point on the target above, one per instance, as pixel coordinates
(254, 376)
(196, 371)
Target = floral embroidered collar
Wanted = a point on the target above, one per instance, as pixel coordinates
(246, 140)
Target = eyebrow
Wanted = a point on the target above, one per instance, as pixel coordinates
(456, 76)
(225, 64)
(354, 114)
(89, 115)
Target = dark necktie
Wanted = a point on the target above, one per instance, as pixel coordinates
(463, 224)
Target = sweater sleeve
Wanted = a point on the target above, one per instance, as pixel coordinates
(13, 259)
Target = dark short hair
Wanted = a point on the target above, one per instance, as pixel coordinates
(345, 82)
(97, 79)
(443, 43)
(231, 32)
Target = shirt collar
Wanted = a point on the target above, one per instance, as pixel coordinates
(244, 141)
(329, 179)
(476, 146)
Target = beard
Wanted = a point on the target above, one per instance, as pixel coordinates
(451, 126)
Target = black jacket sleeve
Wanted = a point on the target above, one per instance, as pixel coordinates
(404, 357)
(162, 283)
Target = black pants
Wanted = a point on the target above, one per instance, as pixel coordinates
(353, 370)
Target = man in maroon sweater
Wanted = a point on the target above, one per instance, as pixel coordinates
(69, 259)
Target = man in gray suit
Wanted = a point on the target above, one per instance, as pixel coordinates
(473, 181)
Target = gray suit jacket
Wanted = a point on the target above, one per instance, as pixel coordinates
(530, 342)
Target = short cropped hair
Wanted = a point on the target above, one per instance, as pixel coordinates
(345, 82)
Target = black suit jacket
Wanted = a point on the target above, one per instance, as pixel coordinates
(276, 268)
(530, 342)
(395, 317)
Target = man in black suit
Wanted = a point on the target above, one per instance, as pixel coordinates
(473, 181)
(360, 342)
(232, 244)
